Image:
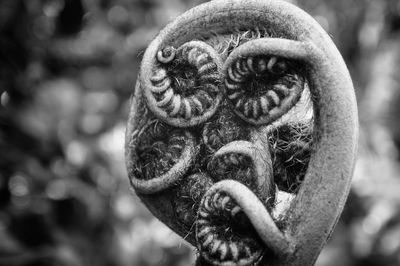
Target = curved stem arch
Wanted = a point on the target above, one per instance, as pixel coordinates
(257, 214)
(320, 200)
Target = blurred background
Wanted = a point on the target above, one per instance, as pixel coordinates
(67, 70)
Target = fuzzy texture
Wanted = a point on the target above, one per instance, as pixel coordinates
(223, 129)
(156, 151)
(233, 166)
(291, 149)
(224, 44)
(188, 196)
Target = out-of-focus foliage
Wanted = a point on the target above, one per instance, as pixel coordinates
(67, 70)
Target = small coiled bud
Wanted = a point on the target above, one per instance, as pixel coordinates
(261, 89)
(185, 92)
(223, 233)
(166, 55)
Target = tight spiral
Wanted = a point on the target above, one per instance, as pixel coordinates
(184, 88)
(262, 88)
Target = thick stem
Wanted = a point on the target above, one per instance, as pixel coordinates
(258, 215)
(261, 163)
(321, 198)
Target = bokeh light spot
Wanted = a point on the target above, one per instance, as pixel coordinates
(4, 98)
(18, 185)
(56, 189)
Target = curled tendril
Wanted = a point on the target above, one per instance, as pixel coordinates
(227, 209)
(249, 89)
(245, 162)
(228, 241)
(298, 38)
(166, 55)
(184, 90)
(161, 160)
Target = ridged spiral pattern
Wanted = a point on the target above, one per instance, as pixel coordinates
(160, 160)
(182, 98)
(188, 197)
(233, 166)
(261, 89)
(166, 55)
(221, 243)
